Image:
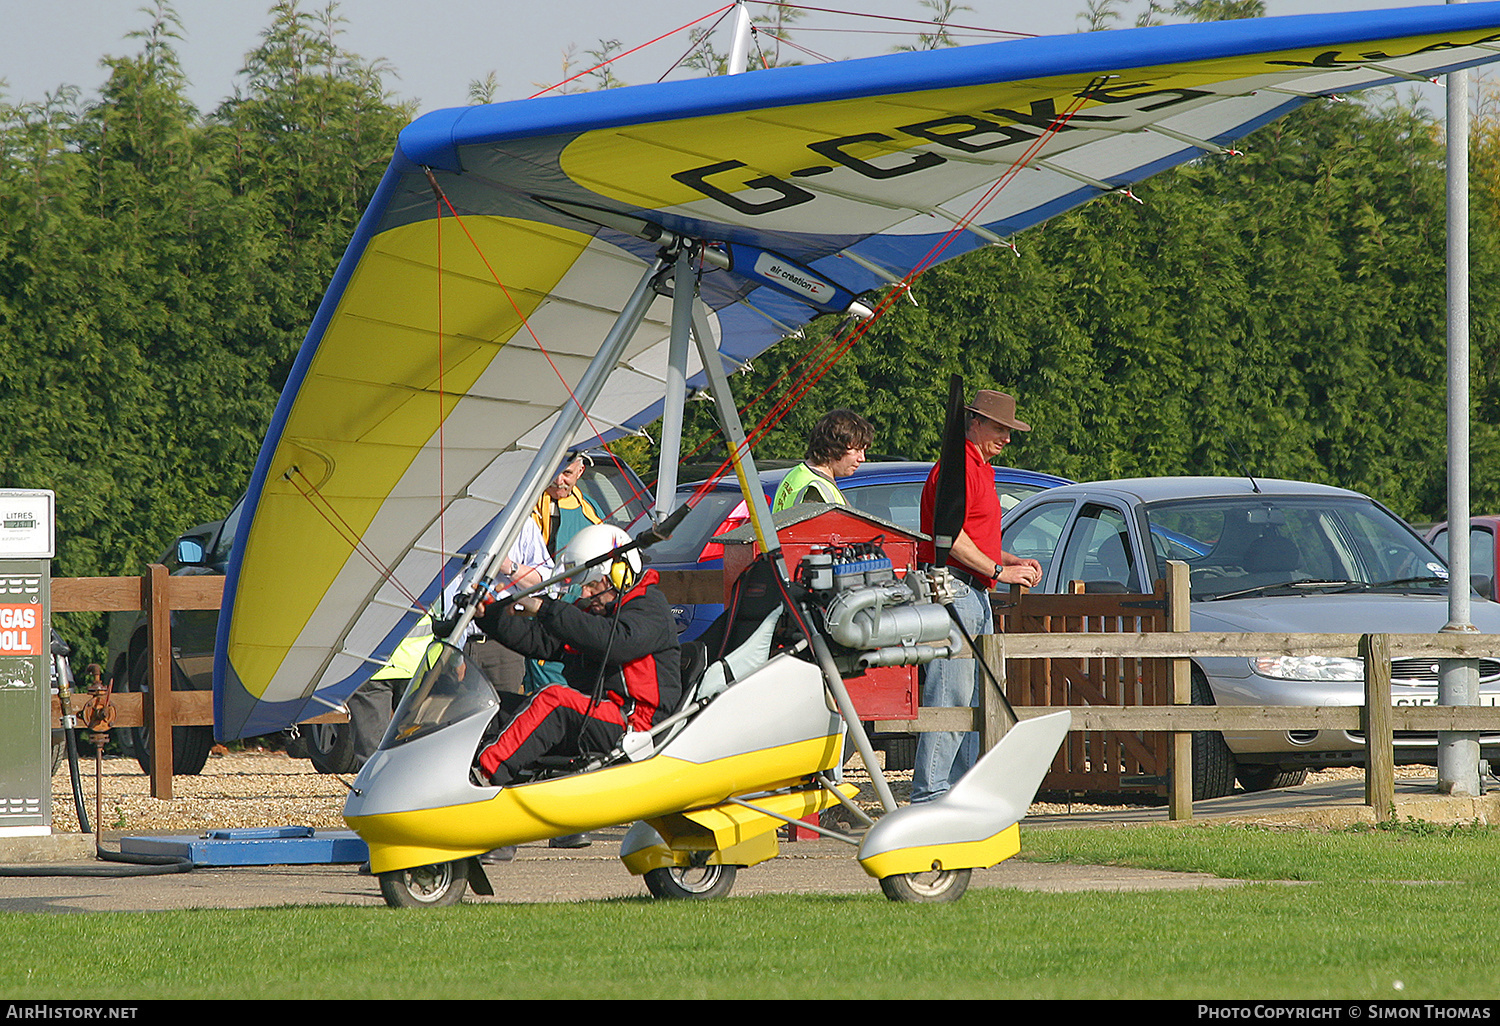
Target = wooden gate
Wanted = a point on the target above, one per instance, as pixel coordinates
(1097, 761)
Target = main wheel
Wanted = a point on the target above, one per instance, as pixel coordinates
(190, 745)
(937, 885)
(1213, 762)
(699, 882)
(425, 886)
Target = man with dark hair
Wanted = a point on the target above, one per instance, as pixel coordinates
(978, 561)
(835, 448)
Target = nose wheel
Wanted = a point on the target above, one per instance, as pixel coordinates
(425, 886)
(698, 882)
(934, 886)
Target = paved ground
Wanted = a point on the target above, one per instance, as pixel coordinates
(820, 866)
(538, 874)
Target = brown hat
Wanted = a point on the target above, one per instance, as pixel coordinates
(999, 407)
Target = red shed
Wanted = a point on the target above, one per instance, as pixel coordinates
(884, 693)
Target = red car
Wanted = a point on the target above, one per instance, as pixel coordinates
(1483, 532)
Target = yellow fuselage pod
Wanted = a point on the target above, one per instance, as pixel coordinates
(731, 835)
(768, 731)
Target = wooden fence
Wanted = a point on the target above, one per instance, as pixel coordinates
(1073, 665)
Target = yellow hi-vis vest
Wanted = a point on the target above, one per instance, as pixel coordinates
(801, 478)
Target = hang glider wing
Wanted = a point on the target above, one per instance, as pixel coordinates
(449, 338)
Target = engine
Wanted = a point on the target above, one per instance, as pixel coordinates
(873, 618)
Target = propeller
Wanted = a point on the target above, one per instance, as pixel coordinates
(950, 496)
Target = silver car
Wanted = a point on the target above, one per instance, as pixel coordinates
(1264, 555)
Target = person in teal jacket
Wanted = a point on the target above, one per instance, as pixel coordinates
(835, 448)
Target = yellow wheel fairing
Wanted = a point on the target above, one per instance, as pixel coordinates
(959, 855)
(752, 851)
(370, 404)
(584, 801)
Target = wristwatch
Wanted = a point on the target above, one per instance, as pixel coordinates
(996, 574)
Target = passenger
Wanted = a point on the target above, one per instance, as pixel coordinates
(835, 448)
(618, 648)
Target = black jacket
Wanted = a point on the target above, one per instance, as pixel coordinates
(636, 644)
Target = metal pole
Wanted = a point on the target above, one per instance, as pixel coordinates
(739, 47)
(1458, 679)
(684, 294)
(508, 527)
(765, 534)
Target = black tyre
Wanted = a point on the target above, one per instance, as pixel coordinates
(1269, 778)
(433, 886)
(900, 752)
(935, 886)
(1213, 762)
(190, 745)
(695, 882)
(330, 747)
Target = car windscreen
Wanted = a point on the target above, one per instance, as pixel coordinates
(1242, 547)
(901, 502)
(700, 525)
(613, 492)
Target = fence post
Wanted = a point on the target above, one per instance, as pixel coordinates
(1179, 618)
(157, 710)
(994, 721)
(1380, 755)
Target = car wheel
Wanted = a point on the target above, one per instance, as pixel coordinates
(690, 882)
(900, 752)
(1213, 762)
(190, 744)
(432, 886)
(936, 886)
(1269, 778)
(330, 747)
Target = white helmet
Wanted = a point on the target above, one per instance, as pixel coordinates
(591, 543)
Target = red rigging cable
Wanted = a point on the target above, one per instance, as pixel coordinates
(346, 532)
(720, 12)
(926, 24)
(814, 374)
(445, 202)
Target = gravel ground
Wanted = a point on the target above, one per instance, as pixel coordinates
(262, 788)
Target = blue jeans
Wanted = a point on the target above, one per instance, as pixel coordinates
(944, 756)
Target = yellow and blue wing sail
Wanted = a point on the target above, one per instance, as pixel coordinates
(492, 261)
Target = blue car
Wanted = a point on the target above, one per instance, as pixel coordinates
(889, 490)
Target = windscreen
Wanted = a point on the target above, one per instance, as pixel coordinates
(1264, 545)
(445, 689)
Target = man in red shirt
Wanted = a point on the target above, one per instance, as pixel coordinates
(978, 561)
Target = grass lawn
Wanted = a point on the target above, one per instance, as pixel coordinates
(1399, 914)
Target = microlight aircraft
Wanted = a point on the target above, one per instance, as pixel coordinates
(543, 274)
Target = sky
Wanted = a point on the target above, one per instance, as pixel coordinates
(438, 49)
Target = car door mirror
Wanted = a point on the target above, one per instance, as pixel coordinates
(190, 552)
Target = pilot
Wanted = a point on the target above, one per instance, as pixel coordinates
(618, 648)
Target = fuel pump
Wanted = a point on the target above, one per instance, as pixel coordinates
(26, 551)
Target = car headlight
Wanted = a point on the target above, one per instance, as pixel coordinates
(1310, 667)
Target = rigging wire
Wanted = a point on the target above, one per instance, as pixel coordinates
(926, 24)
(720, 12)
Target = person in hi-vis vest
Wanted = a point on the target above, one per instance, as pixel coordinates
(835, 448)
